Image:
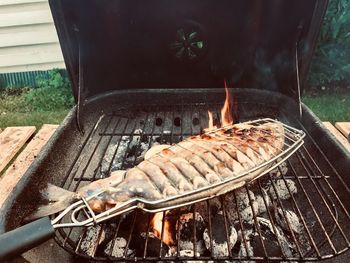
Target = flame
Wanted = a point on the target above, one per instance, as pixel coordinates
(211, 125)
(156, 226)
(226, 112)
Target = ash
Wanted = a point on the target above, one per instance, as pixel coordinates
(127, 152)
(91, 237)
(117, 248)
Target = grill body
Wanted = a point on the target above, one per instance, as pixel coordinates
(149, 71)
(72, 159)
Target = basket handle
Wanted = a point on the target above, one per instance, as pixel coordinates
(17, 241)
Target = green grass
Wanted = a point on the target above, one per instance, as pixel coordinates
(329, 106)
(32, 118)
(16, 111)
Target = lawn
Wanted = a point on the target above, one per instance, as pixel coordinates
(330, 106)
(16, 110)
(31, 118)
(48, 103)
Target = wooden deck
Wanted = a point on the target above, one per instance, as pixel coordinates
(12, 143)
(19, 148)
(341, 131)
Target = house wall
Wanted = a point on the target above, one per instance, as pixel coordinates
(28, 38)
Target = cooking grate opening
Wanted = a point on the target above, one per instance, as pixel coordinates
(293, 213)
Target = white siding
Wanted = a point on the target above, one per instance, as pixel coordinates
(28, 38)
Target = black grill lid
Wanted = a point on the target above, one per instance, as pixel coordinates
(126, 44)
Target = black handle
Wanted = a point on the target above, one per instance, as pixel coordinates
(17, 241)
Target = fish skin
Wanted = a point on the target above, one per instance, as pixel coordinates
(196, 162)
(200, 165)
(217, 165)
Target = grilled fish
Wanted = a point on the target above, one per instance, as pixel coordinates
(184, 171)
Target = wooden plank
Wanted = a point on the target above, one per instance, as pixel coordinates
(14, 173)
(337, 135)
(11, 140)
(344, 128)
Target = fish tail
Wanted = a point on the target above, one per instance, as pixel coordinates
(57, 200)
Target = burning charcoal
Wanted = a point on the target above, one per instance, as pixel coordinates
(107, 235)
(142, 151)
(282, 168)
(144, 138)
(244, 206)
(90, 240)
(292, 218)
(214, 206)
(282, 189)
(189, 254)
(284, 244)
(110, 245)
(220, 247)
(242, 197)
(246, 250)
(243, 250)
(119, 248)
(107, 159)
(167, 138)
(247, 213)
(184, 227)
(243, 203)
(121, 148)
(261, 199)
(188, 245)
(270, 240)
(138, 131)
(154, 246)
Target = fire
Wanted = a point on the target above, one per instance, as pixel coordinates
(156, 226)
(211, 125)
(226, 112)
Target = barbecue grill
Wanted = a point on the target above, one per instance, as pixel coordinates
(147, 72)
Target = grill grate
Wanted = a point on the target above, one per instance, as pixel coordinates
(322, 212)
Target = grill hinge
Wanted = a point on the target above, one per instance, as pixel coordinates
(80, 94)
(300, 28)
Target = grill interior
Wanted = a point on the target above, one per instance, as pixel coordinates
(118, 137)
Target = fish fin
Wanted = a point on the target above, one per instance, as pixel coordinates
(54, 193)
(155, 150)
(58, 199)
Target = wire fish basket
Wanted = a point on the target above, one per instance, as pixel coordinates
(81, 214)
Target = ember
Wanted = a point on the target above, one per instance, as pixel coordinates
(158, 228)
